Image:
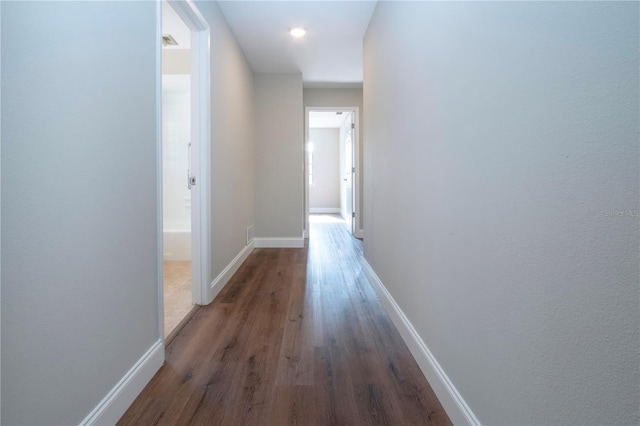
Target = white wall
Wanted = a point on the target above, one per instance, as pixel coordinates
(79, 247)
(232, 142)
(176, 196)
(279, 150)
(341, 98)
(508, 133)
(325, 193)
(176, 61)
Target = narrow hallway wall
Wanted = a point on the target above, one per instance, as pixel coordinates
(232, 142)
(79, 241)
(502, 199)
(279, 158)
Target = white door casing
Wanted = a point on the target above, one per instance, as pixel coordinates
(200, 155)
(355, 113)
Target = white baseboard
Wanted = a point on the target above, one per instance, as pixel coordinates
(360, 233)
(223, 278)
(313, 210)
(114, 405)
(451, 400)
(291, 242)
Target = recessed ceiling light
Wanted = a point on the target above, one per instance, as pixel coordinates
(297, 32)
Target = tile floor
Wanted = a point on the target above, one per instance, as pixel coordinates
(177, 293)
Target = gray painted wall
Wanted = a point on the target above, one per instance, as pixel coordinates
(232, 142)
(79, 247)
(341, 98)
(279, 150)
(325, 193)
(501, 143)
(79, 281)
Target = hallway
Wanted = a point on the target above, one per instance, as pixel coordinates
(296, 337)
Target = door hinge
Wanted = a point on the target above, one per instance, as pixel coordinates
(353, 170)
(353, 214)
(353, 125)
(191, 181)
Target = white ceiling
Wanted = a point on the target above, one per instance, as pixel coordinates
(325, 119)
(329, 54)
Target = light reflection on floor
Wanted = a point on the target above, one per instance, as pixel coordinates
(326, 218)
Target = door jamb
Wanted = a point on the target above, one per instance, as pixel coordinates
(356, 183)
(201, 155)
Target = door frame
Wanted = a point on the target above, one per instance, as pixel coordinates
(356, 154)
(200, 153)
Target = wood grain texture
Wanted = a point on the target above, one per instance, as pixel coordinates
(297, 337)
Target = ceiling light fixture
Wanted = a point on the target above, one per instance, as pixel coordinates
(297, 32)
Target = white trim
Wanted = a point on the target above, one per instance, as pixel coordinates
(356, 181)
(114, 405)
(360, 233)
(291, 242)
(0, 207)
(324, 210)
(305, 173)
(159, 214)
(223, 278)
(453, 403)
(201, 147)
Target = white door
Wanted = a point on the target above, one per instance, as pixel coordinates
(349, 172)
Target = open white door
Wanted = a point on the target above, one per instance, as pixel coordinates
(349, 172)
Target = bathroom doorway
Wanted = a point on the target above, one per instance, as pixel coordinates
(177, 186)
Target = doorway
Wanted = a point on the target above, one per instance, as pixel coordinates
(176, 170)
(331, 166)
(184, 165)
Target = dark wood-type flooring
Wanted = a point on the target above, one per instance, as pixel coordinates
(297, 337)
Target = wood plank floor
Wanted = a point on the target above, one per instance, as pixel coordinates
(297, 337)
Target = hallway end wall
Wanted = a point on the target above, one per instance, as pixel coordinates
(325, 192)
(502, 169)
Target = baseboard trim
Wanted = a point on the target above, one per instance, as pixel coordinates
(316, 210)
(223, 277)
(291, 242)
(114, 405)
(451, 400)
(360, 233)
